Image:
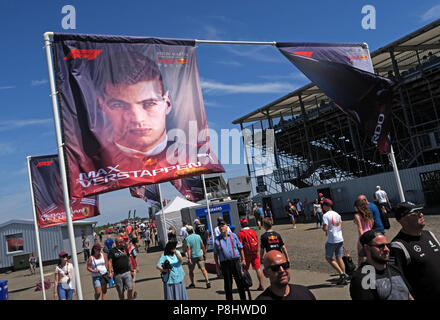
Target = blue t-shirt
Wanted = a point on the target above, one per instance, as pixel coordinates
(177, 274)
(109, 243)
(195, 242)
(378, 225)
(261, 212)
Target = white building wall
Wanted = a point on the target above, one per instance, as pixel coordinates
(345, 193)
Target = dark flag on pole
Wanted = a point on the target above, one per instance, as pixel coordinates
(48, 194)
(132, 112)
(344, 72)
(191, 188)
(148, 193)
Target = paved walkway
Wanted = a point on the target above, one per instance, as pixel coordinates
(305, 245)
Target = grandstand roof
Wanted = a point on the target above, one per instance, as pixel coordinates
(424, 39)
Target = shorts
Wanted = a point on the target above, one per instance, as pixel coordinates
(252, 260)
(333, 249)
(196, 261)
(123, 282)
(98, 282)
(64, 294)
(292, 217)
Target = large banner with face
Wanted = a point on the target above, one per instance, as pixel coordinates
(344, 72)
(148, 193)
(132, 112)
(191, 188)
(48, 194)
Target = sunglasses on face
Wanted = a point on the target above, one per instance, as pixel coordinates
(65, 256)
(379, 246)
(414, 213)
(276, 267)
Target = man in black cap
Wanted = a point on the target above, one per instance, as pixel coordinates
(376, 279)
(416, 252)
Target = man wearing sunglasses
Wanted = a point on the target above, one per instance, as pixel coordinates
(277, 270)
(376, 279)
(416, 252)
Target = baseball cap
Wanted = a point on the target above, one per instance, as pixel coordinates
(327, 202)
(320, 194)
(189, 228)
(196, 221)
(377, 187)
(63, 253)
(243, 221)
(405, 208)
(97, 246)
(368, 236)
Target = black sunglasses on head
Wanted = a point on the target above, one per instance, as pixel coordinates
(276, 267)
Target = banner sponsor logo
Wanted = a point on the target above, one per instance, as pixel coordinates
(81, 53)
(357, 57)
(307, 54)
(43, 163)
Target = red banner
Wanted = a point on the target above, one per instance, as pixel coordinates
(48, 194)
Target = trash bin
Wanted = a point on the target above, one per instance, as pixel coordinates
(21, 261)
(3, 289)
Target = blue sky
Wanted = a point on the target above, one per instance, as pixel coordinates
(235, 79)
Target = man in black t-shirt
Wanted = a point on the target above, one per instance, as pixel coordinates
(121, 269)
(271, 240)
(277, 270)
(416, 252)
(376, 279)
(201, 230)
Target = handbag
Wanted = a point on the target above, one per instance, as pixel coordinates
(246, 279)
(350, 267)
(106, 277)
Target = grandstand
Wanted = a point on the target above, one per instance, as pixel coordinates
(316, 143)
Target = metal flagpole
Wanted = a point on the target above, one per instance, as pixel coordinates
(53, 94)
(37, 234)
(209, 212)
(272, 43)
(163, 217)
(396, 174)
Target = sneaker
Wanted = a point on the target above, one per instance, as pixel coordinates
(260, 288)
(343, 279)
(191, 286)
(208, 285)
(135, 294)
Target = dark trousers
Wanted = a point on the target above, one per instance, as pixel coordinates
(231, 268)
(86, 254)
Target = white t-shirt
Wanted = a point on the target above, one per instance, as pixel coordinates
(183, 232)
(318, 207)
(381, 195)
(334, 222)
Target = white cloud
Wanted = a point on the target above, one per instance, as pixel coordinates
(7, 87)
(230, 63)
(17, 124)
(258, 53)
(210, 86)
(35, 83)
(432, 13)
(6, 149)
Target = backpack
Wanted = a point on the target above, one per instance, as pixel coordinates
(250, 241)
(200, 230)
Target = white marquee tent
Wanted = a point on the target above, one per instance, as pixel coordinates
(172, 218)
